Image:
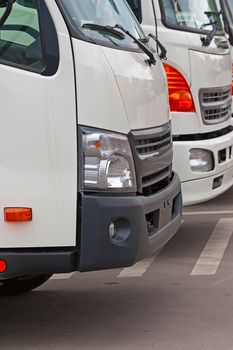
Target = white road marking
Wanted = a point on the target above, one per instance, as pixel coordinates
(222, 212)
(213, 252)
(62, 276)
(138, 269)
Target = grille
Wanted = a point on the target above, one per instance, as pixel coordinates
(153, 157)
(210, 97)
(160, 180)
(154, 146)
(215, 105)
(150, 179)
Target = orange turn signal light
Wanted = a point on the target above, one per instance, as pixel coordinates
(18, 214)
(3, 266)
(180, 96)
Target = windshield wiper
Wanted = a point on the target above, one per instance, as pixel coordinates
(113, 30)
(106, 29)
(206, 41)
(163, 53)
(140, 44)
(6, 14)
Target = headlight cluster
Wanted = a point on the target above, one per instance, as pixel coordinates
(107, 161)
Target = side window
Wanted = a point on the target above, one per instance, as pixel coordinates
(20, 36)
(135, 6)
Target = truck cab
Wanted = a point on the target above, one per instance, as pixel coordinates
(198, 69)
(86, 176)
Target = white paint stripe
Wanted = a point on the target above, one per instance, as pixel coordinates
(213, 252)
(62, 276)
(223, 212)
(139, 268)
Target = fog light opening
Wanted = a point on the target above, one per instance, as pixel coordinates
(112, 230)
(119, 231)
(218, 181)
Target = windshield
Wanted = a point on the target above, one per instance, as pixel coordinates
(103, 12)
(192, 15)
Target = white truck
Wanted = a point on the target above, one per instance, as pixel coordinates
(86, 180)
(198, 71)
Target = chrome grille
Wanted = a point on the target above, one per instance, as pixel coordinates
(215, 105)
(153, 158)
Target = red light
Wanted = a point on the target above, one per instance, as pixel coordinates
(3, 266)
(180, 96)
(17, 214)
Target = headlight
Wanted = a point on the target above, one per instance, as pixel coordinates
(201, 160)
(107, 161)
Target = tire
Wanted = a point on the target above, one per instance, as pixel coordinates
(20, 285)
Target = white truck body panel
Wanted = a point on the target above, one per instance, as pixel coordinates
(131, 90)
(37, 142)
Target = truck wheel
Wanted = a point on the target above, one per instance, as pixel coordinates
(22, 284)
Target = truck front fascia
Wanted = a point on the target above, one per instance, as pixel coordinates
(143, 225)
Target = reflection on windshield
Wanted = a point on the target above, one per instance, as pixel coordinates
(103, 12)
(200, 15)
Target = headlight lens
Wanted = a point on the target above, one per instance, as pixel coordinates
(107, 161)
(201, 160)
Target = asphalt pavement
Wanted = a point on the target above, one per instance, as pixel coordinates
(178, 299)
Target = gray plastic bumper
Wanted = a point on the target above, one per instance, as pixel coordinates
(143, 225)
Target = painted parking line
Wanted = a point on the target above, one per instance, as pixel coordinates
(213, 252)
(221, 212)
(62, 276)
(138, 269)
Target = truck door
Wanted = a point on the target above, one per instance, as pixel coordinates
(38, 146)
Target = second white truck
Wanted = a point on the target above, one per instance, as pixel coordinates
(198, 68)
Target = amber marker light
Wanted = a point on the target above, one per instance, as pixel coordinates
(3, 266)
(17, 214)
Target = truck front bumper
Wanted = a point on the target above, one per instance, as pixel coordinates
(202, 186)
(113, 232)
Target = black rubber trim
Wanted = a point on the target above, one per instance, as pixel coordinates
(204, 136)
(49, 39)
(21, 262)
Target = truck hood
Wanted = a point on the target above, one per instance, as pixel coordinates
(117, 90)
